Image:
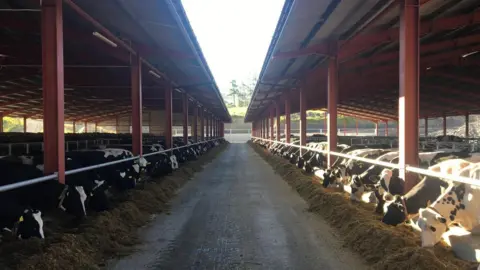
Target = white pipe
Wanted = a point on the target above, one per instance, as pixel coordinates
(454, 178)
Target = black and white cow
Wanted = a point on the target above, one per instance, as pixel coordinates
(398, 208)
(457, 205)
(17, 214)
(82, 186)
(343, 170)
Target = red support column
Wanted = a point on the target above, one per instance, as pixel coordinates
(136, 92)
(408, 110)
(272, 116)
(325, 117)
(288, 124)
(53, 88)
(24, 124)
(202, 124)
(444, 125)
(85, 124)
(194, 123)
(303, 116)
(467, 126)
(185, 118)
(74, 126)
(356, 126)
(96, 127)
(386, 128)
(277, 109)
(168, 116)
(426, 127)
(210, 127)
(1, 122)
(332, 107)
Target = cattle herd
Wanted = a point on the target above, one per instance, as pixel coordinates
(432, 206)
(87, 191)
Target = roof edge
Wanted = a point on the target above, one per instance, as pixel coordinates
(180, 14)
(287, 7)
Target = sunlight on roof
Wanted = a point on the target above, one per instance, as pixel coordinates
(234, 35)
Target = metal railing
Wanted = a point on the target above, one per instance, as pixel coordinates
(92, 167)
(408, 168)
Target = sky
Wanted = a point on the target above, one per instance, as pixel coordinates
(234, 35)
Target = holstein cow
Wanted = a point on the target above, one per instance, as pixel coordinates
(85, 187)
(386, 182)
(398, 208)
(121, 176)
(17, 213)
(458, 204)
(339, 174)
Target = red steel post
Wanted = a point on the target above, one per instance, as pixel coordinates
(136, 92)
(444, 125)
(185, 117)
(325, 117)
(408, 105)
(24, 124)
(53, 88)
(332, 107)
(96, 127)
(202, 124)
(426, 127)
(272, 116)
(1, 122)
(277, 109)
(467, 125)
(288, 124)
(356, 126)
(386, 128)
(303, 116)
(74, 126)
(195, 122)
(168, 116)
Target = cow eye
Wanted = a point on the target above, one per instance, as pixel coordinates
(433, 229)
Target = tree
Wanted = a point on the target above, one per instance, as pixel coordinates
(234, 92)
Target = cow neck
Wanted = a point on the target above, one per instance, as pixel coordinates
(432, 208)
(405, 211)
(61, 198)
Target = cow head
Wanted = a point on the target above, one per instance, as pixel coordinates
(394, 211)
(331, 176)
(73, 201)
(433, 225)
(30, 224)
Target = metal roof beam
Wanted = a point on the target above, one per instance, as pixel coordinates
(367, 41)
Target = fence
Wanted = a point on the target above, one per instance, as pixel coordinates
(407, 168)
(88, 168)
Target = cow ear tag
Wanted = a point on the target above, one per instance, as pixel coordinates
(20, 219)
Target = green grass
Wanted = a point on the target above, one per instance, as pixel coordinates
(237, 111)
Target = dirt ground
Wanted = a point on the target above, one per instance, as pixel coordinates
(238, 214)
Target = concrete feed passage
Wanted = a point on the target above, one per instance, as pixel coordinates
(238, 214)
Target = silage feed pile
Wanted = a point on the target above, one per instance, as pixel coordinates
(103, 235)
(380, 245)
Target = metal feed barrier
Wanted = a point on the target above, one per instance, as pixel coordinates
(408, 168)
(88, 168)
